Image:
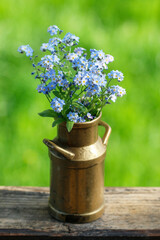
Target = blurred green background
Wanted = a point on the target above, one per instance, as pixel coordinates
(130, 31)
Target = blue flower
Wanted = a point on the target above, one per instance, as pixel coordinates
(70, 39)
(76, 64)
(113, 97)
(87, 75)
(44, 78)
(83, 64)
(48, 61)
(108, 58)
(52, 85)
(77, 79)
(120, 76)
(95, 79)
(51, 48)
(118, 90)
(100, 54)
(53, 30)
(79, 50)
(80, 79)
(101, 60)
(102, 80)
(42, 88)
(55, 41)
(27, 49)
(92, 90)
(89, 116)
(44, 47)
(90, 65)
(57, 104)
(51, 74)
(93, 53)
(73, 116)
(48, 46)
(63, 83)
(72, 57)
(114, 92)
(97, 54)
(110, 75)
(81, 119)
(60, 75)
(99, 80)
(116, 74)
(98, 65)
(55, 59)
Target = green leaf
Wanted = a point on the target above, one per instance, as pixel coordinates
(69, 125)
(66, 106)
(48, 113)
(80, 106)
(57, 121)
(57, 94)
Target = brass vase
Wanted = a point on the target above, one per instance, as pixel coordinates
(77, 172)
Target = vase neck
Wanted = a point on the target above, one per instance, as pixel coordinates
(80, 135)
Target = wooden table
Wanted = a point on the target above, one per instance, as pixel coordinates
(130, 213)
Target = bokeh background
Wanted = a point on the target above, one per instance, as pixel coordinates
(130, 31)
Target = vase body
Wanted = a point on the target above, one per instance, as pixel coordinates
(77, 178)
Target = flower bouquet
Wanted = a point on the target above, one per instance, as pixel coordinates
(76, 86)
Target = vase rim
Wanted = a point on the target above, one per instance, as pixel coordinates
(85, 124)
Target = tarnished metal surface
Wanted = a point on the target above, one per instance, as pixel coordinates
(77, 172)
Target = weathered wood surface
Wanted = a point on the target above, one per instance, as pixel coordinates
(130, 213)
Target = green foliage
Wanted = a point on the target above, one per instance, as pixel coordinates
(48, 113)
(57, 94)
(57, 121)
(69, 125)
(128, 30)
(80, 106)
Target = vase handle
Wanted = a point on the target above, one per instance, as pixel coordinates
(64, 152)
(107, 132)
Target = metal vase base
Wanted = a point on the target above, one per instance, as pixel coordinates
(76, 218)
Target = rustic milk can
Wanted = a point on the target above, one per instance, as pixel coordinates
(77, 172)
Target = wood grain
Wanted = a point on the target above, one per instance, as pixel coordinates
(130, 213)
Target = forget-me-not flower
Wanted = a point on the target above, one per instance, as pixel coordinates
(27, 49)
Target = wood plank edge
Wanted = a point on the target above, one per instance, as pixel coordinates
(93, 233)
